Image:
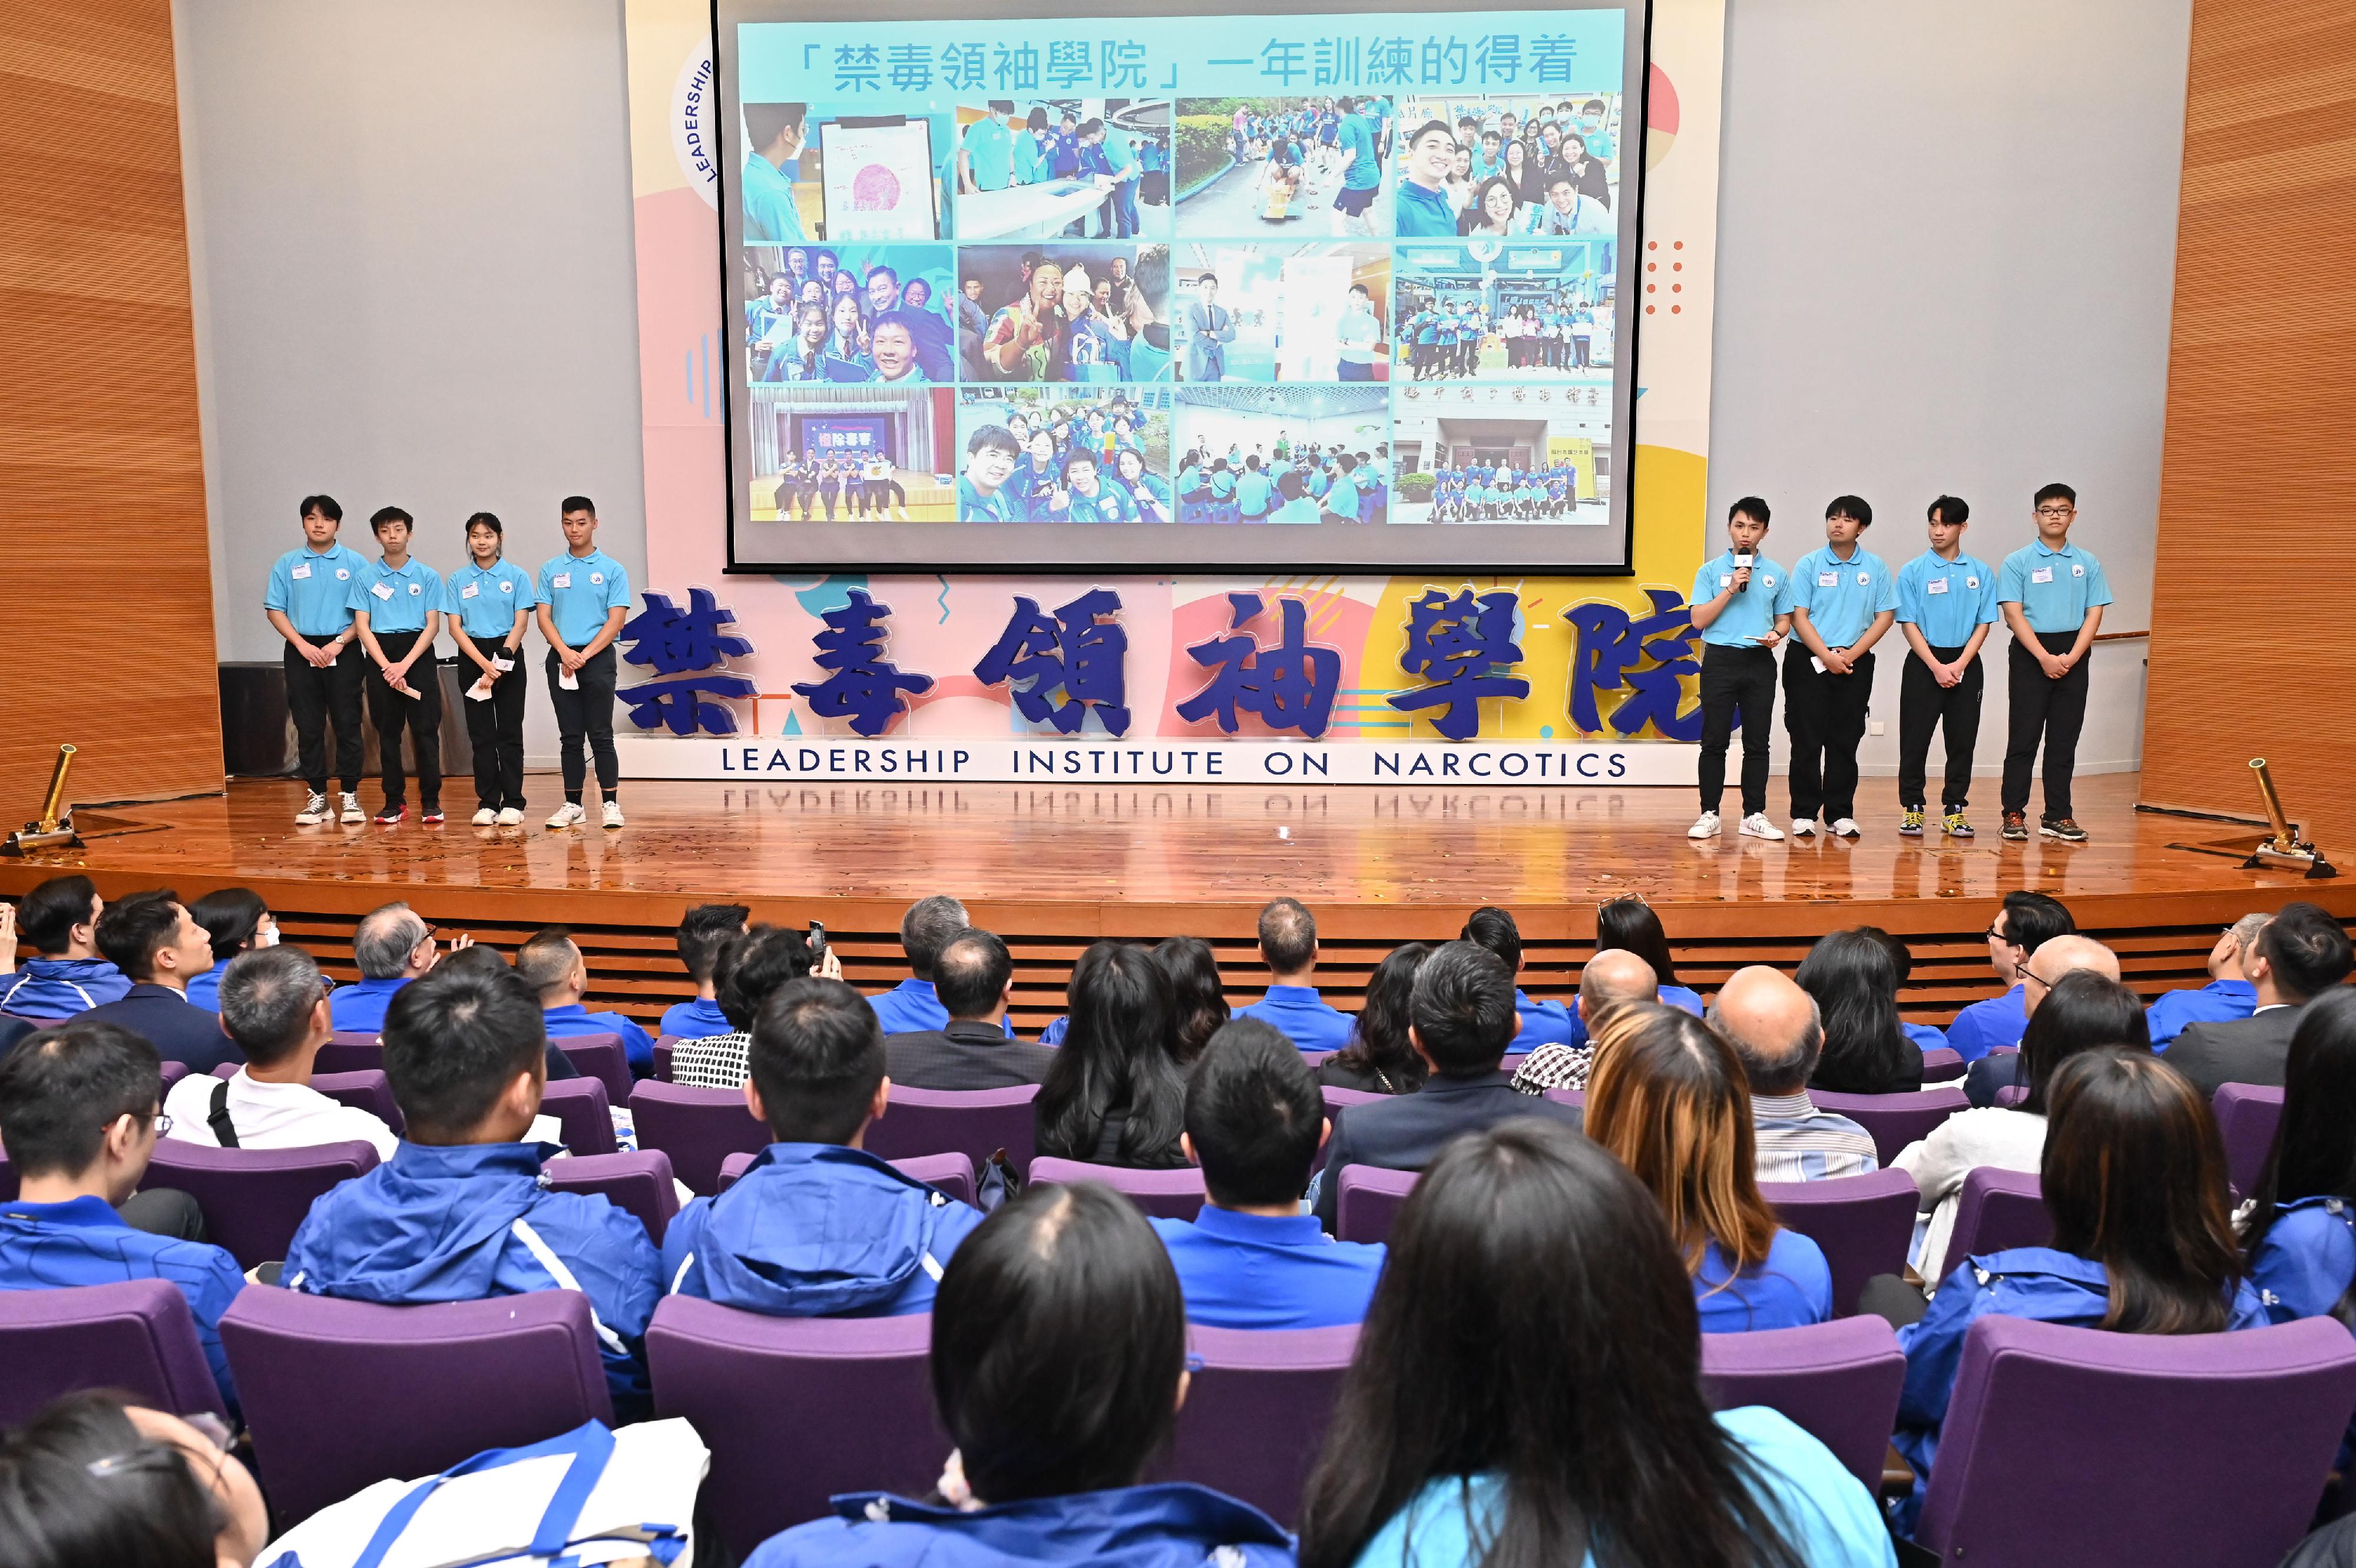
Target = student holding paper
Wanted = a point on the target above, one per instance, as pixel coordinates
(397, 608)
(1842, 600)
(584, 596)
(487, 602)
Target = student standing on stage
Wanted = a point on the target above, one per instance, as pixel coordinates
(488, 600)
(1842, 600)
(2052, 594)
(1741, 606)
(309, 604)
(397, 606)
(1946, 602)
(584, 597)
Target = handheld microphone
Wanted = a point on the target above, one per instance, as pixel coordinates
(1742, 564)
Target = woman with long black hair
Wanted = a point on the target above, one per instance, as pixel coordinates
(1198, 1000)
(1116, 1095)
(1527, 1393)
(1380, 1057)
(1856, 988)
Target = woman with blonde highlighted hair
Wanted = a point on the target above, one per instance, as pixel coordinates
(1667, 1098)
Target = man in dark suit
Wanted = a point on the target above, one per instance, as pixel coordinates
(2301, 954)
(155, 941)
(974, 977)
(1460, 1019)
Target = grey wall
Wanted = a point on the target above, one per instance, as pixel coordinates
(1946, 256)
(411, 227)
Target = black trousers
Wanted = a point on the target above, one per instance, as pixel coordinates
(586, 713)
(421, 716)
(316, 697)
(1922, 706)
(1825, 716)
(163, 1211)
(1735, 680)
(2054, 710)
(495, 726)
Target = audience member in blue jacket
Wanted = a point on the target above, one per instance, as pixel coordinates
(59, 920)
(931, 925)
(1059, 1363)
(707, 928)
(819, 1227)
(2228, 995)
(551, 963)
(236, 921)
(80, 1116)
(1252, 1259)
(2134, 1178)
(459, 1213)
(2026, 922)
(1670, 1100)
(1529, 1263)
(391, 946)
(1536, 1023)
(1288, 943)
(152, 938)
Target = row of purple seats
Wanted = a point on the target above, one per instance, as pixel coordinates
(700, 1128)
(600, 1057)
(952, 1174)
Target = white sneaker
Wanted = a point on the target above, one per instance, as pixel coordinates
(314, 811)
(1847, 828)
(1803, 827)
(510, 818)
(1756, 826)
(612, 813)
(485, 817)
(352, 812)
(1705, 826)
(568, 815)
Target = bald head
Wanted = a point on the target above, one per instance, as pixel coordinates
(1613, 978)
(2058, 956)
(1774, 1026)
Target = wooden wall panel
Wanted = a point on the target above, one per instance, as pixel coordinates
(2249, 656)
(105, 573)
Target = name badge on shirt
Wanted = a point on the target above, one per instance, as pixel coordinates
(301, 573)
(468, 591)
(2042, 575)
(564, 580)
(1726, 579)
(383, 590)
(1936, 585)
(1827, 579)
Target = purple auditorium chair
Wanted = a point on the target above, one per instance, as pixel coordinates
(135, 1336)
(581, 1111)
(253, 1199)
(172, 1073)
(2151, 1450)
(1256, 1411)
(342, 1394)
(348, 1051)
(1163, 1195)
(1895, 1120)
(2011, 1094)
(641, 1183)
(952, 1174)
(1336, 1100)
(1318, 1058)
(1567, 1096)
(698, 1128)
(369, 1090)
(796, 1409)
(2247, 1114)
(1838, 1382)
(975, 1122)
(600, 1057)
(1368, 1200)
(664, 1045)
(1996, 1212)
(1943, 1066)
(1862, 1222)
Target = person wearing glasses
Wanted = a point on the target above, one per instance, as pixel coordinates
(273, 1004)
(2025, 922)
(2038, 976)
(79, 1115)
(2052, 594)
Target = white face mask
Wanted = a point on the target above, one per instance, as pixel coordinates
(266, 936)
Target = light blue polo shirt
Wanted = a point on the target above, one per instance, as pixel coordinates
(1946, 599)
(2054, 589)
(1750, 615)
(396, 599)
(486, 602)
(314, 589)
(771, 216)
(991, 147)
(1842, 597)
(579, 590)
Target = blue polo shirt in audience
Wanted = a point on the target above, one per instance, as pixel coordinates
(55, 988)
(1260, 1270)
(358, 1008)
(1542, 1023)
(1984, 1026)
(1925, 1037)
(914, 1004)
(1302, 1015)
(1792, 1288)
(696, 1020)
(572, 1021)
(82, 1241)
(2219, 1002)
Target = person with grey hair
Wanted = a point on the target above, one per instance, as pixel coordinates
(1778, 1035)
(1288, 944)
(931, 925)
(275, 1006)
(2229, 993)
(1613, 978)
(392, 946)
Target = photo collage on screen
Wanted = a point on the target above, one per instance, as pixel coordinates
(1391, 308)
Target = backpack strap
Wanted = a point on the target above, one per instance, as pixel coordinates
(217, 1117)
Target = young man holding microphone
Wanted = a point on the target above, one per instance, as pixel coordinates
(1741, 606)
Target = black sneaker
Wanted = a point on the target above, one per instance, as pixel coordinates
(2016, 826)
(2064, 828)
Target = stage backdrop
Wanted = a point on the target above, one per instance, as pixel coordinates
(1526, 679)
